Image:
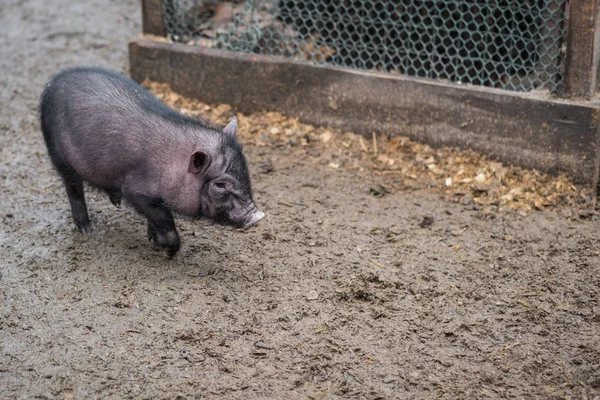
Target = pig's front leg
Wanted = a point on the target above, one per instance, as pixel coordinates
(161, 224)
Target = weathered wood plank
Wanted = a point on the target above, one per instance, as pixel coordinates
(523, 129)
(152, 18)
(583, 48)
(596, 60)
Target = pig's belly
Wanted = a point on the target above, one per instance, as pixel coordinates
(103, 167)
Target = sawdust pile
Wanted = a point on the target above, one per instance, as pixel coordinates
(461, 175)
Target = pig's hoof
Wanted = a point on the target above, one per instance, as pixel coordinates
(166, 241)
(151, 233)
(84, 226)
(115, 197)
(172, 252)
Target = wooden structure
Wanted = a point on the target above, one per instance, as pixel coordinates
(554, 134)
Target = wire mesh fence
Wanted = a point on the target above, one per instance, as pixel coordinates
(507, 44)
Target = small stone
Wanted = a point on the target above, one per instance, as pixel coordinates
(389, 379)
(326, 136)
(348, 377)
(481, 187)
(466, 200)
(312, 295)
(378, 191)
(395, 230)
(427, 221)
(268, 236)
(266, 167)
(586, 214)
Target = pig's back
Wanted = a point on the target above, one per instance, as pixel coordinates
(105, 124)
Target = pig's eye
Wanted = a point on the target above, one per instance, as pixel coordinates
(220, 188)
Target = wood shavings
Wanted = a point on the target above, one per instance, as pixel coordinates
(459, 174)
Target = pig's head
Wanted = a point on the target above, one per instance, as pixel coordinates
(226, 192)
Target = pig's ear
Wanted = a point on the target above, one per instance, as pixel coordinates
(198, 161)
(231, 127)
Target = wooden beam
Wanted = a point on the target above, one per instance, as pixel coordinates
(152, 18)
(583, 48)
(529, 130)
(596, 60)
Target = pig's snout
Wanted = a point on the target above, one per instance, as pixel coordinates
(256, 216)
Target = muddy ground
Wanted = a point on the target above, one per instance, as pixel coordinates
(342, 292)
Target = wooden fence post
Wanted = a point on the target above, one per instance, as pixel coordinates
(583, 49)
(152, 18)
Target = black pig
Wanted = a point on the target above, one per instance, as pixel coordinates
(105, 129)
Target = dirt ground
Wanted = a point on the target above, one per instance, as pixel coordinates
(356, 285)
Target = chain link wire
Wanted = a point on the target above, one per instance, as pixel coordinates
(507, 44)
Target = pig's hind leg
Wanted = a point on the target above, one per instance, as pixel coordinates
(74, 186)
(73, 182)
(161, 224)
